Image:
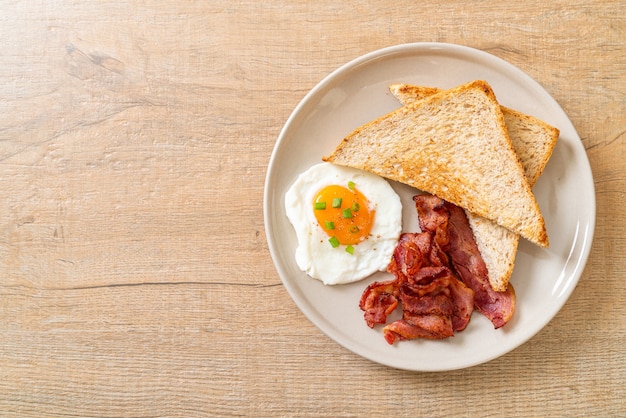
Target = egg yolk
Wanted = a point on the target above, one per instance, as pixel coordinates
(343, 213)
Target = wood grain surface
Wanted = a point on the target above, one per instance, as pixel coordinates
(135, 276)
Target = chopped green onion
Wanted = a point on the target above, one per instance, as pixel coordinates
(337, 202)
(350, 249)
(354, 229)
(329, 225)
(351, 185)
(334, 242)
(356, 206)
(347, 213)
(320, 205)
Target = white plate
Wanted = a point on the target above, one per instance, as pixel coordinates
(357, 93)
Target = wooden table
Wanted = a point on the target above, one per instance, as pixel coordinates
(135, 276)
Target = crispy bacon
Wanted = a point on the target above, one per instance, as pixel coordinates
(432, 327)
(408, 257)
(413, 252)
(439, 278)
(464, 300)
(433, 216)
(461, 247)
(378, 301)
(431, 298)
(439, 292)
(435, 302)
(498, 307)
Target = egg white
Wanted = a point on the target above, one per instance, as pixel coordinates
(314, 255)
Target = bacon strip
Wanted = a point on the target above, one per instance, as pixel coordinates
(432, 327)
(498, 307)
(434, 308)
(378, 301)
(413, 252)
(435, 302)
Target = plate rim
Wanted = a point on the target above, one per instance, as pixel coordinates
(414, 49)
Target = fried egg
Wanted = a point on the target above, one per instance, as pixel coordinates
(347, 222)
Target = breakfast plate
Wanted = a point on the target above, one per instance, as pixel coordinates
(358, 92)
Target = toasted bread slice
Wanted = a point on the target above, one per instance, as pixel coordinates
(533, 141)
(455, 145)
